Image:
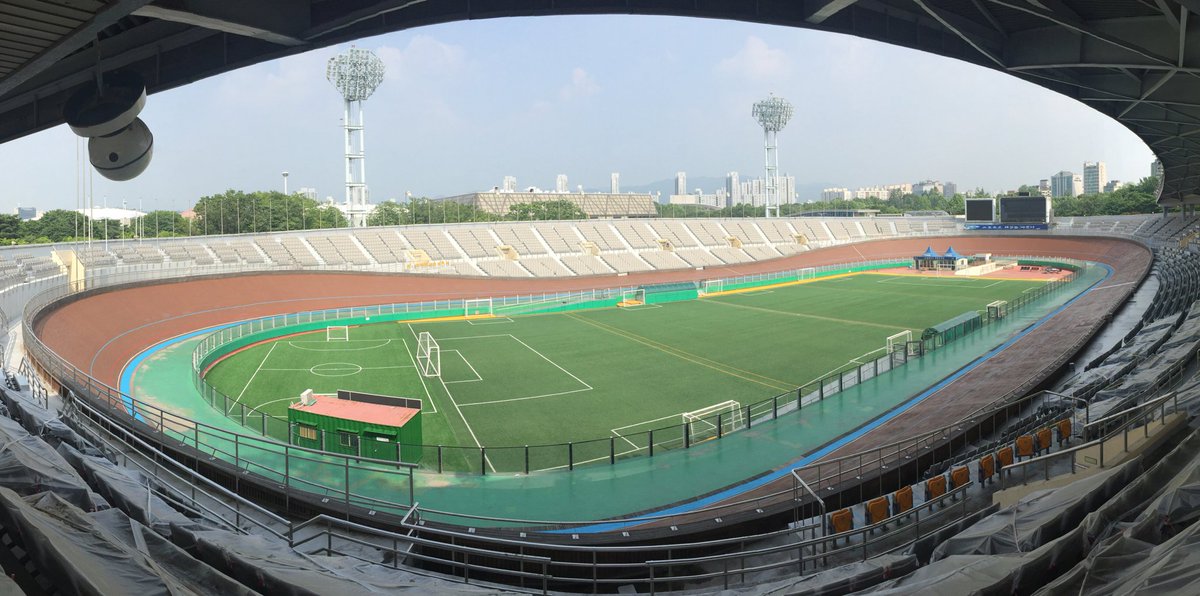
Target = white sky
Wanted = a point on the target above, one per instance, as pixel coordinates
(467, 103)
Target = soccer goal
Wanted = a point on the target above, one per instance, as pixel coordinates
(712, 286)
(337, 333)
(633, 297)
(714, 421)
(997, 310)
(807, 273)
(476, 307)
(429, 355)
(898, 341)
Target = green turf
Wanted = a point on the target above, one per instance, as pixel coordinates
(605, 373)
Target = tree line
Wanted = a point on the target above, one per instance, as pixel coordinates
(238, 212)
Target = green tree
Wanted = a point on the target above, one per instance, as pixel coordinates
(10, 227)
(546, 210)
(56, 225)
(387, 213)
(162, 224)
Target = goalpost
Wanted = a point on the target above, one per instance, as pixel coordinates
(714, 421)
(337, 333)
(712, 286)
(898, 341)
(429, 355)
(633, 297)
(478, 306)
(807, 273)
(997, 310)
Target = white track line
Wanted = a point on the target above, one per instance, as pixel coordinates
(251, 381)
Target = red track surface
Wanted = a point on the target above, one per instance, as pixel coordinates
(100, 333)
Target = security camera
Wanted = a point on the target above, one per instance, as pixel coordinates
(120, 145)
(124, 154)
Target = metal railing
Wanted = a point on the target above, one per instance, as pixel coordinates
(606, 450)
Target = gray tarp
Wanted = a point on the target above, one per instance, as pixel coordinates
(1038, 517)
(839, 580)
(122, 488)
(1127, 566)
(77, 554)
(271, 567)
(29, 466)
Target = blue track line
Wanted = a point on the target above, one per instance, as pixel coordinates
(126, 383)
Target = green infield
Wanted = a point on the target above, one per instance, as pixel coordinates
(508, 382)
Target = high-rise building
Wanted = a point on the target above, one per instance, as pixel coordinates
(1062, 184)
(1156, 169)
(1077, 184)
(1095, 176)
(1044, 187)
(509, 185)
(1114, 185)
(614, 183)
(560, 183)
(925, 187)
(899, 190)
(27, 213)
(949, 189)
(786, 187)
(836, 194)
(733, 189)
(681, 183)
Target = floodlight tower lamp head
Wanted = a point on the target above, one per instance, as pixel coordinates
(773, 113)
(356, 73)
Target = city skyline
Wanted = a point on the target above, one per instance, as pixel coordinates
(589, 108)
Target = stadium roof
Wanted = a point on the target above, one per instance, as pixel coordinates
(1135, 60)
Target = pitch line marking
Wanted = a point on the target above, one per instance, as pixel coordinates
(512, 399)
(251, 380)
(803, 315)
(530, 348)
(420, 377)
(477, 378)
(294, 342)
(328, 363)
(682, 355)
(455, 404)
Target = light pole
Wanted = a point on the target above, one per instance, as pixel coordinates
(773, 114)
(285, 182)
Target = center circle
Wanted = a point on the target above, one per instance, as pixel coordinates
(335, 369)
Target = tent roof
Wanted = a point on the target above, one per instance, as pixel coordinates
(954, 255)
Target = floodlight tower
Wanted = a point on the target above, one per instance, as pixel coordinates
(356, 74)
(773, 114)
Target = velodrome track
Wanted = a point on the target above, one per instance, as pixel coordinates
(101, 332)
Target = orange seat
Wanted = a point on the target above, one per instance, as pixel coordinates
(959, 476)
(935, 487)
(1025, 446)
(877, 510)
(1064, 430)
(841, 521)
(1005, 456)
(902, 500)
(1044, 438)
(987, 467)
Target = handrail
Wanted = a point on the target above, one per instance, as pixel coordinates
(1143, 405)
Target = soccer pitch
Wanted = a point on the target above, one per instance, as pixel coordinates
(594, 374)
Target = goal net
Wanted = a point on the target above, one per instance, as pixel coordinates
(479, 306)
(712, 286)
(337, 333)
(633, 297)
(997, 310)
(429, 355)
(807, 273)
(714, 421)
